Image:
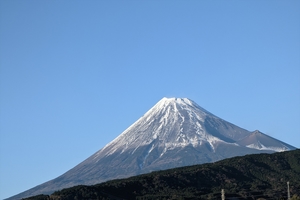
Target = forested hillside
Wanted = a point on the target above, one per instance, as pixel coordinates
(263, 176)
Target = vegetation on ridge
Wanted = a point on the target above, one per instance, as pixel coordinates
(260, 176)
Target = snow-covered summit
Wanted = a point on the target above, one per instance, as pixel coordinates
(174, 100)
(175, 122)
(181, 102)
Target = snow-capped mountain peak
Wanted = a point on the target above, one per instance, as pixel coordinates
(174, 122)
(175, 132)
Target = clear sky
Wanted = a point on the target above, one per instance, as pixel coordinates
(75, 74)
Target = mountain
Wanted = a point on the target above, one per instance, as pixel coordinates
(175, 132)
(256, 176)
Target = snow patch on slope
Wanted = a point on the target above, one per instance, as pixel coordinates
(260, 146)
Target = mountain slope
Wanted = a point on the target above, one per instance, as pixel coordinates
(252, 176)
(175, 132)
(258, 140)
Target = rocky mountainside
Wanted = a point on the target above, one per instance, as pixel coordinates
(175, 132)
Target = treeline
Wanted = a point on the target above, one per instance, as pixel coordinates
(260, 176)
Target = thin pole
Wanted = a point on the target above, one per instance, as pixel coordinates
(223, 194)
(288, 190)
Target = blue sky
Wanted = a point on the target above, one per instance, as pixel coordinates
(75, 74)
